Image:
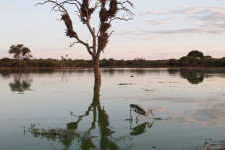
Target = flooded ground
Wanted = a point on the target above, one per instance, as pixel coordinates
(65, 109)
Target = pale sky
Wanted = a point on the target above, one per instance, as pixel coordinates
(161, 29)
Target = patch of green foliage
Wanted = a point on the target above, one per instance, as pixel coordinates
(193, 59)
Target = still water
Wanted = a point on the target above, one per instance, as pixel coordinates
(65, 109)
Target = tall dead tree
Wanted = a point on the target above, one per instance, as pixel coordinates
(109, 10)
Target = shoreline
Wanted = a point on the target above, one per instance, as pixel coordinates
(111, 67)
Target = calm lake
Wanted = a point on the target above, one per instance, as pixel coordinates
(63, 109)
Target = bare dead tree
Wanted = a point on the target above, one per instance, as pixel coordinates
(109, 11)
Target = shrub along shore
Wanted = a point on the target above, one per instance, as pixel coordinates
(186, 61)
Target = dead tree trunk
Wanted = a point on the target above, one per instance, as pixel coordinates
(108, 12)
(97, 72)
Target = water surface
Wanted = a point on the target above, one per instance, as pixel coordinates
(189, 105)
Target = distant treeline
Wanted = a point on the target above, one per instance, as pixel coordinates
(186, 61)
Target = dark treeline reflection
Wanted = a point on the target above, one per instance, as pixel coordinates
(192, 75)
(196, 76)
(85, 140)
(7, 73)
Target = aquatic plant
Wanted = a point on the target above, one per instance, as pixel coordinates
(56, 133)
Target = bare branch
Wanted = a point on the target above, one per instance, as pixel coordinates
(56, 4)
(119, 18)
(73, 44)
(66, 18)
(123, 7)
(76, 4)
(76, 1)
(128, 2)
(111, 33)
(97, 4)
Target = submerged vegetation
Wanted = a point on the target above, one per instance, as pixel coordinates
(55, 133)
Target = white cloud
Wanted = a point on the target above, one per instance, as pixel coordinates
(174, 31)
(181, 11)
(209, 20)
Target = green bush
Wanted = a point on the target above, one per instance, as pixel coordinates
(196, 53)
(188, 61)
(207, 62)
(172, 62)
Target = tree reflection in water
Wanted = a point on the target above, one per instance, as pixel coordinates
(193, 76)
(20, 85)
(100, 118)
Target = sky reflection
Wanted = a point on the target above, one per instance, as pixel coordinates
(191, 112)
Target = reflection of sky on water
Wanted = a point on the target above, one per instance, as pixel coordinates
(205, 113)
(194, 110)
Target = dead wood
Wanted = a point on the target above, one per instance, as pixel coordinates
(84, 10)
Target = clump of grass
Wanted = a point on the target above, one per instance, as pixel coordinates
(55, 133)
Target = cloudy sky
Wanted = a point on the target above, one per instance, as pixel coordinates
(161, 29)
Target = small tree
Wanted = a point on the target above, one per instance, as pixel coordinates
(20, 52)
(108, 11)
(196, 53)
